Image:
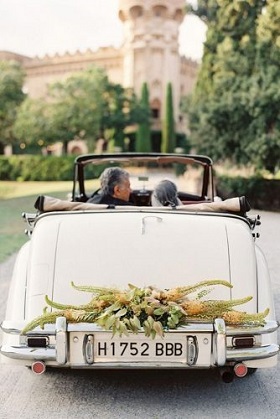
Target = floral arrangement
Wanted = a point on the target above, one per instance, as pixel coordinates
(149, 309)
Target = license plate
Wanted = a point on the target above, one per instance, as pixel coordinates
(139, 348)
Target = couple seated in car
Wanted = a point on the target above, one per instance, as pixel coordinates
(115, 190)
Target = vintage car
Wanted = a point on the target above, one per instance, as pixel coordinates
(142, 286)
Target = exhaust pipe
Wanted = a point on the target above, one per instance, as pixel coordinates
(38, 367)
(227, 374)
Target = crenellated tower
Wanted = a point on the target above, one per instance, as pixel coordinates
(151, 48)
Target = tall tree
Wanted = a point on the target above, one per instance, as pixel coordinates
(264, 93)
(11, 95)
(168, 129)
(220, 115)
(143, 134)
(121, 109)
(77, 105)
(83, 106)
(32, 125)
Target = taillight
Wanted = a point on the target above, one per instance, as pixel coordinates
(37, 342)
(243, 341)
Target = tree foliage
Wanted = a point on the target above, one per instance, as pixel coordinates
(32, 125)
(121, 109)
(143, 135)
(11, 95)
(234, 111)
(168, 129)
(80, 107)
(77, 106)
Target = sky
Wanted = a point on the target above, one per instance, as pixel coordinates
(39, 27)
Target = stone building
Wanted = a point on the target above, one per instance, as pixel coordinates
(149, 53)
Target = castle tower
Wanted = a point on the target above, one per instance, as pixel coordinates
(151, 49)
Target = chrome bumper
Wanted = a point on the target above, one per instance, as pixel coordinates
(58, 354)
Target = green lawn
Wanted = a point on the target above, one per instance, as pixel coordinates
(18, 197)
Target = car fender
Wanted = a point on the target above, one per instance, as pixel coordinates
(264, 295)
(16, 303)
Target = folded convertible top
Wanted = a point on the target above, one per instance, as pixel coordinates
(238, 205)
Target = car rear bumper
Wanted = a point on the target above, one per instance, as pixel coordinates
(206, 345)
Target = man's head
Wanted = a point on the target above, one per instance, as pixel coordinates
(115, 182)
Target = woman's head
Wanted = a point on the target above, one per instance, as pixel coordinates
(165, 194)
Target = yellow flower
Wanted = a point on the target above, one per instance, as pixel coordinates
(123, 298)
(233, 317)
(193, 308)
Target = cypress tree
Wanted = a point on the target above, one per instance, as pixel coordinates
(168, 129)
(143, 134)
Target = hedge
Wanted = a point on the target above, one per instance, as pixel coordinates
(36, 168)
(42, 168)
(263, 194)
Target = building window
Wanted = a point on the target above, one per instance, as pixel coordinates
(155, 113)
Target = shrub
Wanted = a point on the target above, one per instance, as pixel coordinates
(262, 193)
(36, 168)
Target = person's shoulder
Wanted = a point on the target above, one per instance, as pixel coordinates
(95, 199)
(117, 201)
(108, 200)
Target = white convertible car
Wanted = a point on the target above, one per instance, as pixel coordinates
(140, 286)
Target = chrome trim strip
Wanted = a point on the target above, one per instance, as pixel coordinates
(192, 350)
(15, 328)
(188, 328)
(269, 327)
(49, 354)
(23, 352)
(88, 349)
(61, 340)
(220, 335)
(248, 354)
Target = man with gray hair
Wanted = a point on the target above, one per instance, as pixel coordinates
(115, 187)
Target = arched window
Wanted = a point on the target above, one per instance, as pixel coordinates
(155, 108)
(160, 11)
(136, 12)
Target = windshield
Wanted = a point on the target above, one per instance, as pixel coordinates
(145, 172)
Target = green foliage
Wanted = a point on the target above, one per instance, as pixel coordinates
(262, 193)
(143, 135)
(121, 109)
(76, 105)
(206, 10)
(183, 142)
(39, 168)
(168, 130)
(229, 187)
(149, 309)
(11, 95)
(32, 125)
(84, 106)
(235, 110)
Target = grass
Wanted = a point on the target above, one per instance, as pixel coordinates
(18, 197)
(9, 190)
